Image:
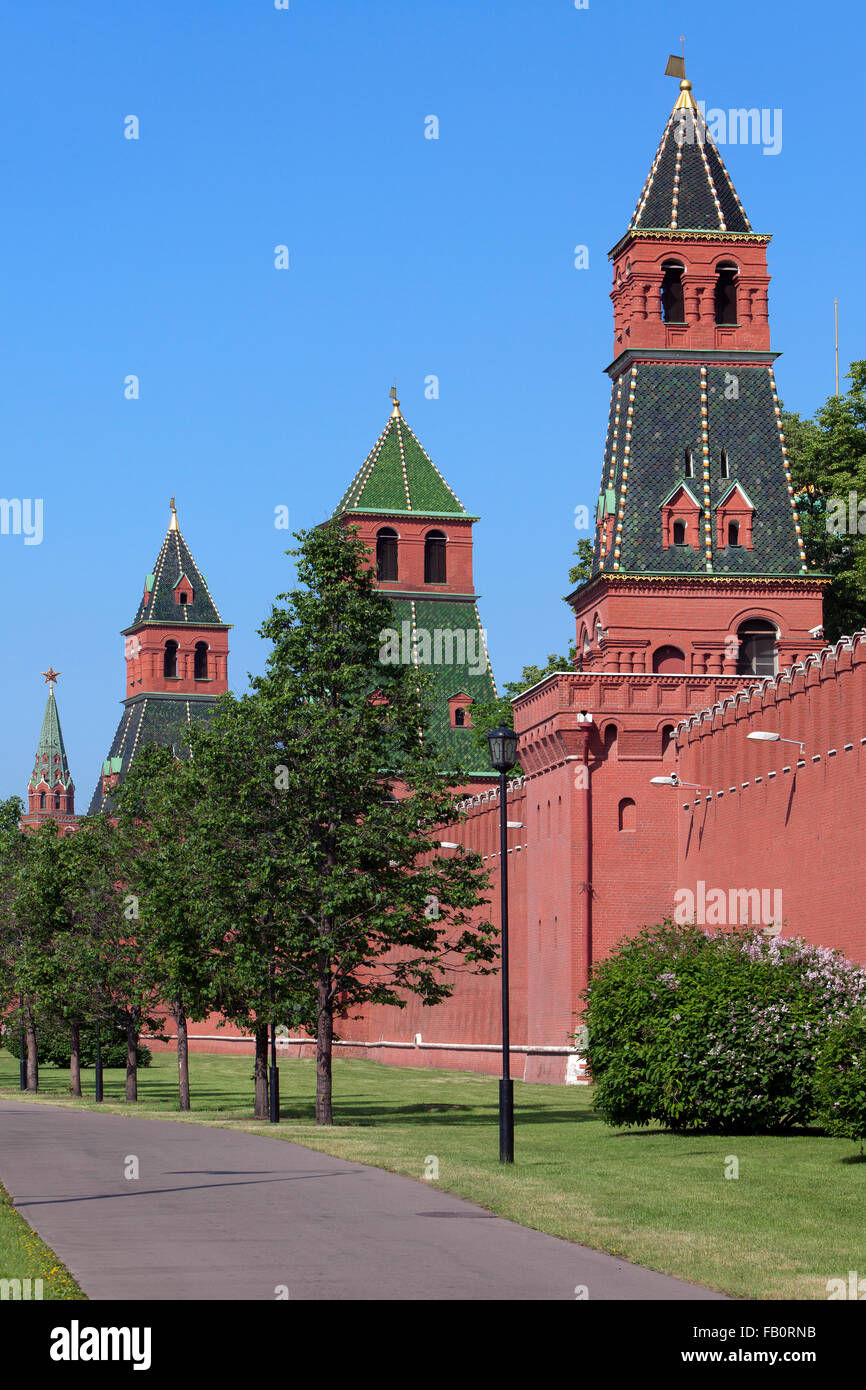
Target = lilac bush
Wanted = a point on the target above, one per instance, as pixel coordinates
(697, 1029)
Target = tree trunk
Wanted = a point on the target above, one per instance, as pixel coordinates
(32, 1051)
(182, 1055)
(324, 1044)
(132, 1059)
(261, 1072)
(75, 1059)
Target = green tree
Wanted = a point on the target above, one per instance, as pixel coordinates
(489, 714)
(168, 878)
(827, 457)
(11, 930)
(840, 1079)
(579, 573)
(375, 911)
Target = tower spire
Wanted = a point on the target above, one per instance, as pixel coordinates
(51, 790)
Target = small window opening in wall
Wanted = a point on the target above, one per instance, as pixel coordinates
(669, 743)
(733, 533)
(610, 736)
(627, 818)
(57, 802)
(679, 533)
(42, 801)
(386, 554)
(726, 293)
(723, 463)
(169, 661)
(184, 598)
(689, 463)
(435, 565)
(200, 667)
(459, 717)
(673, 300)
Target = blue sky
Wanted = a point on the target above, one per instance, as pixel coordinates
(409, 257)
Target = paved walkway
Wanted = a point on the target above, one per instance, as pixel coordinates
(220, 1214)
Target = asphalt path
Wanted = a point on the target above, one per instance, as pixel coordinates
(220, 1214)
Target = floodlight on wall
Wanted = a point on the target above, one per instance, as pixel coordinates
(674, 781)
(448, 844)
(768, 736)
(515, 824)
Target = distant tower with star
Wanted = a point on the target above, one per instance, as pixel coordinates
(51, 790)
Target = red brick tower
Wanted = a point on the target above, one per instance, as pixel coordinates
(699, 563)
(176, 660)
(699, 583)
(419, 535)
(51, 790)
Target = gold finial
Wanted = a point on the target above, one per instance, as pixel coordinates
(51, 676)
(395, 413)
(172, 525)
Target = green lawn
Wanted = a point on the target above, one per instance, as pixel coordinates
(794, 1218)
(24, 1256)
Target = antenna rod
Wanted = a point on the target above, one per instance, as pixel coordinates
(836, 316)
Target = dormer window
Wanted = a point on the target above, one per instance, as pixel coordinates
(735, 516)
(689, 463)
(459, 706)
(681, 518)
(183, 591)
(723, 464)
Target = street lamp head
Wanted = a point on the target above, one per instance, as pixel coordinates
(503, 748)
(764, 736)
(672, 781)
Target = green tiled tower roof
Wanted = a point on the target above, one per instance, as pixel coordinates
(466, 672)
(172, 563)
(148, 719)
(51, 762)
(399, 478)
(688, 187)
(657, 414)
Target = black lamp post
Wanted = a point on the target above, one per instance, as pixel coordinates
(22, 1069)
(503, 756)
(274, 1078)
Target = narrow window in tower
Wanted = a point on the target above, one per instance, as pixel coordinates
(669, 743)
(689, 463)
(169, 661)
(434, 558)
(200, 667)
(733, 533)
(627, 819)
(726, 292)
(679, 533)
(183, 597)
(57, 801)
(673, 302)
(459, 717)
(42, 801)
(610, 736)
(723, 464)
(386, 554)
(757, 648)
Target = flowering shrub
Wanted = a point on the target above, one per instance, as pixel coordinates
(697, 1029)
(840, 1080)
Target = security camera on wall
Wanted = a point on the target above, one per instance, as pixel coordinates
(816, 631)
